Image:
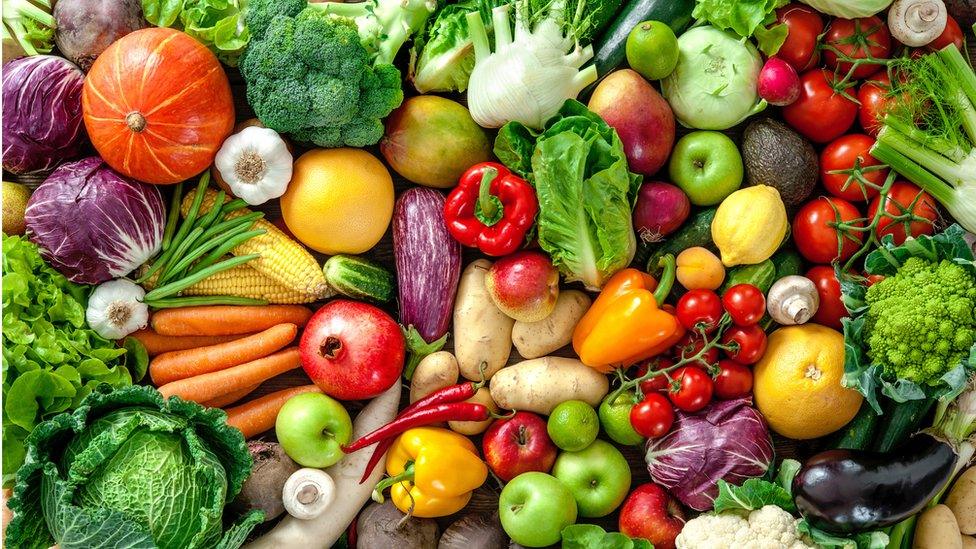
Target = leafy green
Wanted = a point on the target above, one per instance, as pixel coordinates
(442, 56)
(591, 536)
(217, 24)
(585, 191)
(128, 469)
(756, 493)
(51, 360)
(756, 18)
(865, 540)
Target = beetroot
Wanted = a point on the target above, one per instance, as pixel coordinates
(661, 209)
(87, 27)
(778, 82)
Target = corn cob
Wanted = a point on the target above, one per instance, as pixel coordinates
(243, 281)
(282, 259)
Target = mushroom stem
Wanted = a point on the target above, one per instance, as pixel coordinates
(308, 493)
(793, 300)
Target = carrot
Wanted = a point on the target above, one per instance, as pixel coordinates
(230, 398)
(175, 365)
(205, 387)
(259, 415)
(156, 344)
(226, 319)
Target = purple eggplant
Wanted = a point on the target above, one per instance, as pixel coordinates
(428, 267)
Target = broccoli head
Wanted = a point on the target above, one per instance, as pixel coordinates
(920, 322)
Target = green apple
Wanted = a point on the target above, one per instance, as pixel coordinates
(707, 166)
(535, 507)
(615, 419)
(312, 428)
(598, 476)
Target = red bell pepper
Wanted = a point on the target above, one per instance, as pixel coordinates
(491, 209)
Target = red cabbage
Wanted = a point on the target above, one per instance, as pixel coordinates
(42, 125)
(728, 440)
(93, 224)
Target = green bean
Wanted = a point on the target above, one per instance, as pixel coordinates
(197, 301)
(223, 226)
(208, 245)
(226, 247)
(179, 251)
(213, 214)
(174, 216)
(186, 282)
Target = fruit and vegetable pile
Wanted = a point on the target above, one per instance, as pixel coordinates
(693, 274)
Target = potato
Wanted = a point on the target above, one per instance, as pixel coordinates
(962, 501)
(435, 371)
(968, 542)
(471, 428)
(535, 339)
(482, 333)
(539, 384)
(937, 529)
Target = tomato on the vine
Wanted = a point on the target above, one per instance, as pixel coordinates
(658, 382)
(750, 343)
(900, 198)
(848, 153)
(694, 389)
(653, 416)
(699, 307)
(831, 308)
(821, 113)
(952, 34)
(875, 98)
(816, 238)
(804, 26)
(862, 38)
(734, 380)
(745, 303)
(689, 345)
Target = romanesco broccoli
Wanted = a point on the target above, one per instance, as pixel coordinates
(920, 322)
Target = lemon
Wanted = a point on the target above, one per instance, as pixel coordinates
(339, 201)
(797, 384)
(749, 225)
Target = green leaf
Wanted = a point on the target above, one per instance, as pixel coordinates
(787, 472)
(21, 401)
(162, 13)
(591, 536)
(136, 358)
(864, 540)
(743, 17)
(754, 493)
(771, 39)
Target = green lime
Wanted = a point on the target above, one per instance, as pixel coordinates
(573, 425)
(652, 50)
(615, 418)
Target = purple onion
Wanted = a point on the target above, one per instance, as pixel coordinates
(92, 224)
(428, 262)
(727, 440)
(42, 124)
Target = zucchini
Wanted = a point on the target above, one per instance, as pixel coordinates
(901, 421)
(787, 262)
(359, 278)
(761, 275)
(610, 48)
(860, 431)
(697, 231)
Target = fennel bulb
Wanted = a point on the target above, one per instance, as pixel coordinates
(529, 76)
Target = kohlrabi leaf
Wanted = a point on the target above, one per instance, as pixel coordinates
(745, 18)
(754, 493)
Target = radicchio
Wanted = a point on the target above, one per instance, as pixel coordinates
(42, 124)
(728, 440)
(92, 224)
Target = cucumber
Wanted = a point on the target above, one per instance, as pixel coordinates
(761, 275)
(610, 48)
(787, 262)
(697, 231)
(901, 421)
(359, 278)
(860, 431)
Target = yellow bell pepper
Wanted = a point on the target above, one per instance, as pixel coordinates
(432, 472)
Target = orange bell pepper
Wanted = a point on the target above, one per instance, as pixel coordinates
(626, 323)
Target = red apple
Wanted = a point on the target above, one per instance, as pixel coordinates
(518, 445)
(651, 513)
(524, 285)
(352, 350)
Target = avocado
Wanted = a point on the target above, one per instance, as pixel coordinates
(777, 156)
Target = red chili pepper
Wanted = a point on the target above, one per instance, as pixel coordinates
(454, 411)
(491, 209)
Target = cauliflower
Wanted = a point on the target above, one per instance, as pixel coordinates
(769, 527)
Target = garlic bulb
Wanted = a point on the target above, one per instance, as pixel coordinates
(255, 164)
(115, 309)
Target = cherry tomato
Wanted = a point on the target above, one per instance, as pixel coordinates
(751, 341)
(857, 39)
(745, 303)
(653, 416)
(875, 100)
(844, 154)
(821, 113)
(831, 308)
(733, 381)
(873, 279)
(952, 34)
(804, 26)
(656, 383)
(689, 345)
(900, 197)
(816, 239)
(694, 390)
(699, 307)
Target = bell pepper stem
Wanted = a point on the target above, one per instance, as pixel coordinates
(405, 476)
(667, 278)
(488, 208)
(418, 348)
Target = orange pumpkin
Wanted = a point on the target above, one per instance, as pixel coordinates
(157, 106)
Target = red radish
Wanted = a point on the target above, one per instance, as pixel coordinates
(778, 82)
(661, 209)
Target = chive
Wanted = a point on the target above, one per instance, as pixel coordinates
(182, 284)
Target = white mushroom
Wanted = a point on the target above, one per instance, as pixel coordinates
(917, 22)
(793, 300)
(308, 493)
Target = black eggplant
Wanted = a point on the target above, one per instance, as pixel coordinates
(847, 491)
